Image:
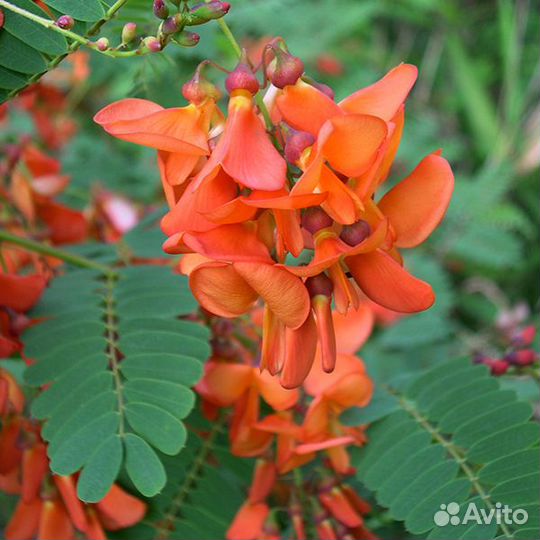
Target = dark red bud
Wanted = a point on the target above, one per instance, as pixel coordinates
(242, 78)
(314, 219)
(65, 22)
(173, 24)
(498, 367)
(198, 89)
(161, 11)
(187, 39)
(355, 233)
(296, 143)
(152, 44)
(525, 337)
(525, 357)
(320, 285)
(102, 44)
(204, 12)
(2, 18)
(285, 70)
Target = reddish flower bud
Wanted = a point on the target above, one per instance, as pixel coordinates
(198, 89)
(242, 78)
(339, 506)
(161, 11)
(129, 32)
(152, 44)
(102, 44)
(524, 357)
(319, 285)
(204, 12)
(525, 337)
(65, 22)
(498, 367)
(173, 24)
(285, 69)
(296, 143)
(355, 233)
(187, 39)
(2, 18)
(314, 219)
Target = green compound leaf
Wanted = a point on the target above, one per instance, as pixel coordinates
(115, 376)
(451, 435)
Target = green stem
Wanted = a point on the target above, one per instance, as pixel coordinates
(109, 14)
(65, 256)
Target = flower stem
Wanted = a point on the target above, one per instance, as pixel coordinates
(65, 256)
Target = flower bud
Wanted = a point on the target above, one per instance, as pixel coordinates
(173, 24)
(524, 337)
(355, 233)
(296, 143)
(129, 32)
(285, 69)
(498, 367)
(102, 44)
(65, 22)
(242, 78)
(314, 219)
(152, 44)
(204, 12)
(198, 89)
(320, 285)
(524, 357)
(2, 18)
(161, 11)
(187, 39)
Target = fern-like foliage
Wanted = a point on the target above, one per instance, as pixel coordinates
(205, 489)
(452, 435)
(116, 363)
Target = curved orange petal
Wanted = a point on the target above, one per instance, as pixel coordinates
(301, 345)
(35, 466)
(345, 291)
(66, 226)
(223, 384)
(352, 390)
(190, 261)
(248, 522)
(245, 151)
(172, 130)
(417, 205)
(353, 329)
(305, 108)
(68, 491)
(221, 290)
(387, 283)
(21, 292)
(176, 167)
(118, 509)
(228, 243)
(283, 200)
(284, 293)
(384, 97)
(289, 231)
(350, 143)
(24, 522)
(273, 393)
(54, 522)
(307, 448)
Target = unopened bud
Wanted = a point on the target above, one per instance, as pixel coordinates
(355, 233)
(296, 143)
(320, 285)
(161, 11)
(198, 89)
(242, 78)
(2, 18)
(498, 367)
(525, 357)
(187, 39)
(285, 69)
(102, 44)
(152, 44)
(65, 22)
(314, 219)
(129, 32)
(173, 24)
(204, 12)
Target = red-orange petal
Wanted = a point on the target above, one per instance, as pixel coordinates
(248, 522)
(350, 143)
(68, 491)
(387, 283)
(118, 509)
(417, 205)
(54, 522)
(35, 465)
(353, 328)
(279, 398)
(305, 108)
(220, 289)
(322, 308)
(284, 293)
(301, 345)
(21, 292)
(223, 383)
(24, 522)
(385, 97)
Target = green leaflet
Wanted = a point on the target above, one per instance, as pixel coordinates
(456, 436)
(89, 10)
(117, 373)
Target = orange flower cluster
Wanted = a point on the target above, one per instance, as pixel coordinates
(48, 507)
(287, 213)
